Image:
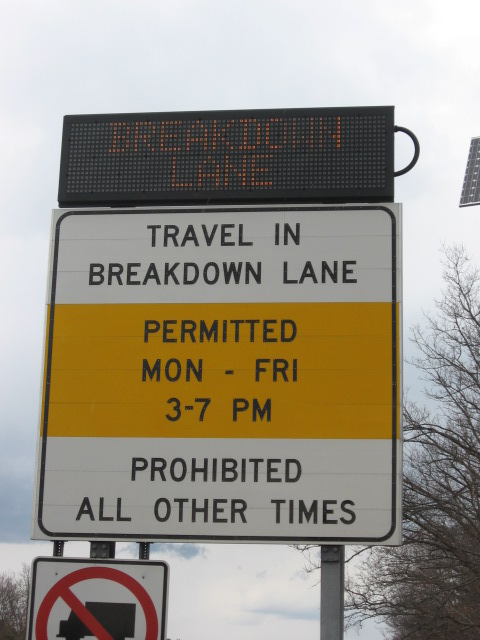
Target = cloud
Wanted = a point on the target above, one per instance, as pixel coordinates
(185, 551)
(289, 613)
(15, 505)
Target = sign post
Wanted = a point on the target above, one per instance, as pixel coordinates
(332, 588)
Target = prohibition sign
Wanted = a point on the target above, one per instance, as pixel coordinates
(62, 590)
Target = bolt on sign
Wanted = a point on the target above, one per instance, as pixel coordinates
(223, 373)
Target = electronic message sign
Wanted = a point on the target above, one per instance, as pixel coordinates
(223, 374)
(293, 155)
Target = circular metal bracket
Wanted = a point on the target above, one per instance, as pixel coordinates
(416, 154)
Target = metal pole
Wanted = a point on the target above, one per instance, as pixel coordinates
(332, 592)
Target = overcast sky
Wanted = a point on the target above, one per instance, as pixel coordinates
(97, 56)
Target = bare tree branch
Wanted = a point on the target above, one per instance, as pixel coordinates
(14, 593)
(430, 586)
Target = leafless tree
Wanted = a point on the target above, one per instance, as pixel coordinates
(430, 586)
(14, 591)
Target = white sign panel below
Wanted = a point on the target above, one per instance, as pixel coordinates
(80, 598)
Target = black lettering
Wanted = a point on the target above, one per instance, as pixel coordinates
(173, 370)
(327, 512)
(154, 228)
(236, 324)
(115, 270)
(308, 272)
(269, 329)
(158, 466)
(202, 470)
(151, 326)
(261, 412)
(151, 274)
(289, 232)
(170, 272)
(168, 330)
(190, 236)
(171, 233)
(238, 507)
(332, 273)
(180, 502)
(239, 406)
(229, 470)
(283, 331)
(168, 509)
(234, 269)
(286, 279)
(131, 273)
(277, 504)
(308, 514)
(138, 464)
(352, 516)
(216, 273)
(102, 517)
(280, 367)
(197, 372)
(256, 462)
(225, 232)
(190, 278)
(272, 469)
(151, 372)
(209, 237)
(217, 510)
(208, 333)
(252, 324)
(121, 518)
(96, 274)
(255, 273)
(183, 469)
(241, 241)
(259, 368)
(346, 272)
(291, 511)
(197, 510)
(85, 510)
(188, 328)
(292, 475)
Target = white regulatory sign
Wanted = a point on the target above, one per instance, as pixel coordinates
(79, 598)
(223, 374)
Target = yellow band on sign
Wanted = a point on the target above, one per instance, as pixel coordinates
(247, 370)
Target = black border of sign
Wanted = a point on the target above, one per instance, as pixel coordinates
(162, 624)
(145, 198)
(228, 538)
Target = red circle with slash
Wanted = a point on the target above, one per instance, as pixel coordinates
(61, 590)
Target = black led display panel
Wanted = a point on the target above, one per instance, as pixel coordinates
(322, 155)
